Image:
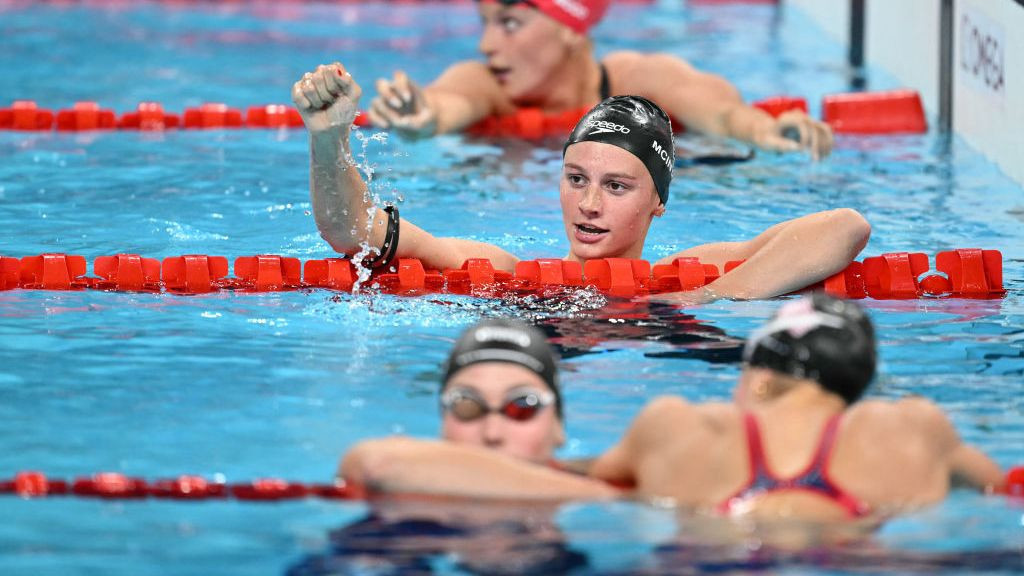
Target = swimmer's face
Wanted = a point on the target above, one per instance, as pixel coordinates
(495, 383)
(525, 50)
(608, 201)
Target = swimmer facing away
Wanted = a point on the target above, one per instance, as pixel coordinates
(796, 441)
(617, 167)
(501, 422)
(537, 54)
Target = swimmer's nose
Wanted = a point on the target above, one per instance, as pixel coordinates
(590, 201)
(489, 40)
(493, 430)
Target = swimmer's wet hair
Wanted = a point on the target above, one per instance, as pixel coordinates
(820, 338)
(506, 340)
(639, 127)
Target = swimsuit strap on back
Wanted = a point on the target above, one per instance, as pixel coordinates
(814, 478)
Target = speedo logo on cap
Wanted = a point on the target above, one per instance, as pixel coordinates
(665, 155)
(603, 127)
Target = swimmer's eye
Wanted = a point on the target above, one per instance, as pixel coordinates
(510, 24)
(616, 187)
(576, 180)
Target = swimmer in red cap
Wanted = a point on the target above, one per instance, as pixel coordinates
(796, 441)
(616, 176)
(537, 55)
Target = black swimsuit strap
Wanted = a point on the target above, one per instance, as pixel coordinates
(606, 88)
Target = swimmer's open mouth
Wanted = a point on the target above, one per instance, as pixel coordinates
(590, 230)
(499, 73)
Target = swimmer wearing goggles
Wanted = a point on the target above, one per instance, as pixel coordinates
(501, 422)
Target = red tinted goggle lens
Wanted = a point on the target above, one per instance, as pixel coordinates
(467, 408)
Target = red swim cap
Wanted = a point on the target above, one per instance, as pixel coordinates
(580, 15)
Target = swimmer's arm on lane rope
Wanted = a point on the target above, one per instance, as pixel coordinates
(412, 466)
(327, 100)
(788, 256)
(969, 467)
(711, 104)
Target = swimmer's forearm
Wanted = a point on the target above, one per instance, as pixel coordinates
(800, 253)
(406, 465)
(339, 195)
(972, 468)
(746, 123)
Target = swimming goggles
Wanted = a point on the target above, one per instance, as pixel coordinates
(467, 406)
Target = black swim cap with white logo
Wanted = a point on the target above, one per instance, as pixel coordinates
(820, 338)
(636, 125)
(506, 340)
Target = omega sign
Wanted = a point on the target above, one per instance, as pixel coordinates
(981, 52)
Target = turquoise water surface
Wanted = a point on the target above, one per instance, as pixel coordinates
(281, 384)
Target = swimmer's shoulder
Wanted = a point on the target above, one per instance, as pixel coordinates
(630, 72)
(714, 417)
(907, 418)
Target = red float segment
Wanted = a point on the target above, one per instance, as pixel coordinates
(477, 276)
(53, 272)
(187, 488)
(683, 274)
(110, 485)
(333, 273)
(972, 271)
(148, 116)
(194, 273)
(25, 115)
(127, 272)
(894, 275)
(86, 116)
(778, 105)
(848, 283)
(1014, 483)
(622, 277)
(273, 116)
(410, 278)
(549, 272)
(268, 273)
(213, 115)
(268, 489)
(896, 111)
(10, 273)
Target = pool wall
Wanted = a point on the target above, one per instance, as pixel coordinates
(985, 67)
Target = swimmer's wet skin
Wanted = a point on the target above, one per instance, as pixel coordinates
(502, 420)
(797, 441)
(538, 56)
(614, 183)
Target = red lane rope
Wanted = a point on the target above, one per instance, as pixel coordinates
(962, 273)
(896, 111)
(113, 485)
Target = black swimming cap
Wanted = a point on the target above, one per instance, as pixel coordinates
(506, 340)
(636, 125)
(821, 338)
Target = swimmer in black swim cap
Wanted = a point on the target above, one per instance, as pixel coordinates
(819, 338)
(616, 172)
(500, 390)
(639, 127)
(798, 442)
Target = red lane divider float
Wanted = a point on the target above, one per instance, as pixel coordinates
(890, 112)
(898, 111)
(113, 485)
(962, 273)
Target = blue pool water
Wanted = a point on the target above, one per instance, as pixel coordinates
(281, 384)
